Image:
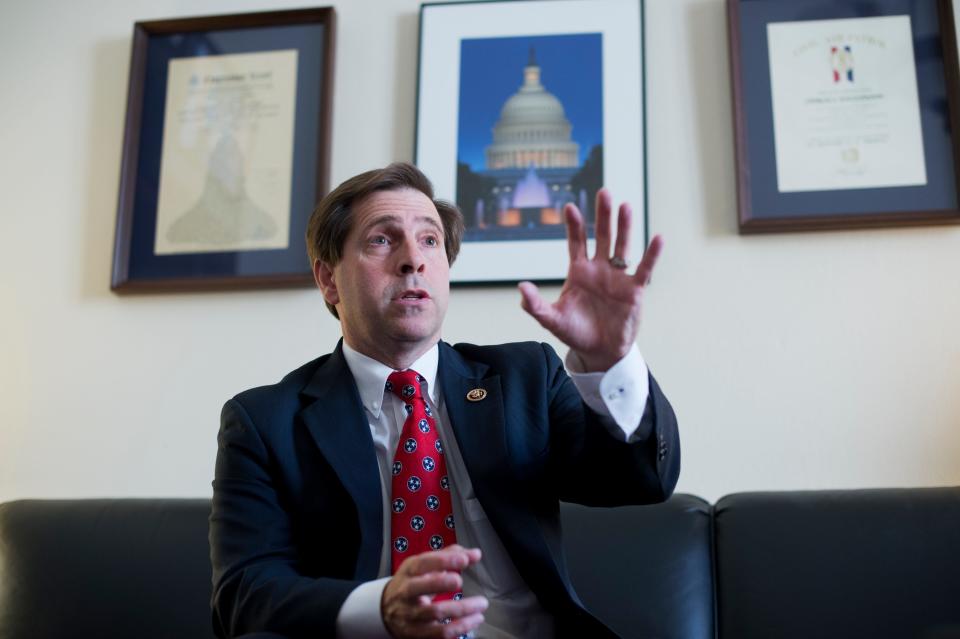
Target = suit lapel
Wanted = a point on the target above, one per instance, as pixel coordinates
(481, 431)
(479, 426)
(338, 426)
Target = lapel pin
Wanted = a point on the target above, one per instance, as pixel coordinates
(476, 395)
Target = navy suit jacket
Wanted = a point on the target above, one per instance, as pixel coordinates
(297, 517)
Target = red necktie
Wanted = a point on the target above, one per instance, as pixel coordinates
(422, 517)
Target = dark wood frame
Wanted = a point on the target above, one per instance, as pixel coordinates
(749, 223)
(121, 280)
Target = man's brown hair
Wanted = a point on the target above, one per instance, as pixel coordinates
(331, 221)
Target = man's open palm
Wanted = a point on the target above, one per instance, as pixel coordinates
(598, 311)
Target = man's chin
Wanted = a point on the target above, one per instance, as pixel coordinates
(414, 330)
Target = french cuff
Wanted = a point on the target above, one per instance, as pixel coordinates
(359, 616)
(619, 394)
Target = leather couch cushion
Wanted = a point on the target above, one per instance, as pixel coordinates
(876, 564)
(105, 568)
(645, 571)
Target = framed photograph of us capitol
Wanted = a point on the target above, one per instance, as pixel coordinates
(524, 106)
(845, 113)
(225, 152)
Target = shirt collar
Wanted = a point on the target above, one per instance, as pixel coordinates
(371, 376)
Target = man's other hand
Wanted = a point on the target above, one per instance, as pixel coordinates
(407, 605)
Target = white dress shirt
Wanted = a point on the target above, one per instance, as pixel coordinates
(619, 396)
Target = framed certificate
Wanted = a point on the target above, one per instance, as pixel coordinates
(525, 106)
(845, 113)
(226, 150)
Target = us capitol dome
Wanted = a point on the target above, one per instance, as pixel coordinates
(532, 168)
(533, 129)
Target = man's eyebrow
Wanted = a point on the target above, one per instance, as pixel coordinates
(386, 218)
(389, 218)
(432, 222)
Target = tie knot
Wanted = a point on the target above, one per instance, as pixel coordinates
(405, 384)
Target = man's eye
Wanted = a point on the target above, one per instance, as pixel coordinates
(431, 241)
(378, 240)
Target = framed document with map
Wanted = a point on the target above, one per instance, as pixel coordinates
(226, 150)
(845, 113)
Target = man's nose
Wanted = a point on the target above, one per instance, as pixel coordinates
(411, 258)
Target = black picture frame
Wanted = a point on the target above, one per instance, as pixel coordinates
(762, 208)
(137, 267)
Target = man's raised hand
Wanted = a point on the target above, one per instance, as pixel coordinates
(598, 311)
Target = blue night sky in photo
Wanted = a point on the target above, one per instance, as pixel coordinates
(491, 70)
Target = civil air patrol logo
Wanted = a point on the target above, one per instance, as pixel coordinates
(436, 542)
(408, 390)
(400, 544)
(413, 484)
(417, 523)
(399, 505)
(410, 445)
(423, 426)
(448, 522)
(433, 502)
(445, 483)
(397, 467)
(428, 464)
(438, 446)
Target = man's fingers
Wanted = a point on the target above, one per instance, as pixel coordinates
(450, 609)
(576, 233)
(532, 303)
(602, 227)
(622, 247)
(645, 269)
(407, 604)
(465, 607)
(430, 584)
(434, 627)
(454, 557)
(462, 626)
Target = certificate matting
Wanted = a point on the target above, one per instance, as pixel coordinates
(762, 206)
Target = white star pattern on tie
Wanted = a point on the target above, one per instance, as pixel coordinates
(422, 518)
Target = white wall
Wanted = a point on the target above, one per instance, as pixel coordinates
(793, 361)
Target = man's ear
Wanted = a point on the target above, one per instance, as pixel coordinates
(326, 282)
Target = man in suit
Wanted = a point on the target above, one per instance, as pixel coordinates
(315, 530)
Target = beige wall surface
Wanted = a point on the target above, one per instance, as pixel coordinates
(794, 361)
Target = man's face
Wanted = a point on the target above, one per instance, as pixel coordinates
(392, 284)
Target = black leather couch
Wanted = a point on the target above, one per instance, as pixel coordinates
(877, 564)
